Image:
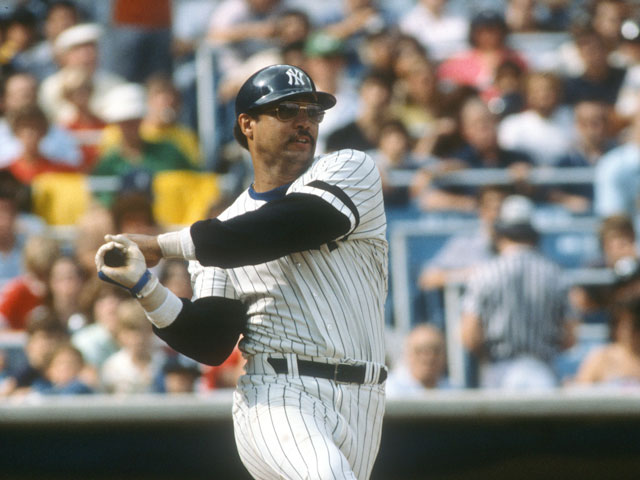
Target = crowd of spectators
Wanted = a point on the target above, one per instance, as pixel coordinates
(426, 87)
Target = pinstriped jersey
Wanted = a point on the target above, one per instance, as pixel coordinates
(522, 303)
(327, 302)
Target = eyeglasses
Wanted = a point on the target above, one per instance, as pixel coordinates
(287, 111)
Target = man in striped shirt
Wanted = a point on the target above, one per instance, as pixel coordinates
(515, 308)
(298, 263)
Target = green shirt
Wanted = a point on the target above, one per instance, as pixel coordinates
(156, 157)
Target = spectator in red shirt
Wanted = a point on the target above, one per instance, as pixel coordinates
(22, 294)
(476, 67)
(29, 124)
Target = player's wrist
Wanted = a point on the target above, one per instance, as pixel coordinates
(177, 244)
(161, 306)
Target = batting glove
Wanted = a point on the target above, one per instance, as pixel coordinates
(133, 275)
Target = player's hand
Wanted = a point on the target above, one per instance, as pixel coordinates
(148, 245)
(134, 267)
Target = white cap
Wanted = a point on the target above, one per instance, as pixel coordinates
(125, 102)
(77, 35)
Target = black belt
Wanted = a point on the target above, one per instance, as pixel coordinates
(338, 372)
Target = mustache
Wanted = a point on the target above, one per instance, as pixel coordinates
(302, 133)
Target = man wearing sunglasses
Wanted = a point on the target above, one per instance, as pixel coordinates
(298, 265)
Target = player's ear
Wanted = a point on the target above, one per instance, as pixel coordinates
(245, 123)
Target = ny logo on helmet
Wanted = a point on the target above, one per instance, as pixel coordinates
(295, 77)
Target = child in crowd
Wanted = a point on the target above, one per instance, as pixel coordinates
(97, 340)
(29, 290)
(132, 368)
(44, 335)
(64, 372)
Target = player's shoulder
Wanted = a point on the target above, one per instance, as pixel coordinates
(346, 160)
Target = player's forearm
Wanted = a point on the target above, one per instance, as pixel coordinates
(206, 330)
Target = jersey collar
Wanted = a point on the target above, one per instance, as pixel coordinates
(269, 195)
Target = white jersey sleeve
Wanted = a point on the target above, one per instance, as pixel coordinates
(349, 180)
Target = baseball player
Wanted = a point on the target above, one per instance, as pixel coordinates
(298, 264)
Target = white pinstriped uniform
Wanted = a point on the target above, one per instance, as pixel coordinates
(324, 305)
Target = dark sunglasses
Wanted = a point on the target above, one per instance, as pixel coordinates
(287, 111)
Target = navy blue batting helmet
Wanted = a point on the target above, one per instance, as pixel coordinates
(275, 83)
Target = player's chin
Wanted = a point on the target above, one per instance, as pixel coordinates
(301, 150)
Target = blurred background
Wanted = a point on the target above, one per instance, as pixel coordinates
(507, 135)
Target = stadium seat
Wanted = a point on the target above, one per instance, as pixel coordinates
(182, 197)
(60, 198)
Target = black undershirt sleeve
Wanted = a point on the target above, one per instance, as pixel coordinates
(294, 223)
(207, 329)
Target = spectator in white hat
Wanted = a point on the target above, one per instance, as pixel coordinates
(76, 47)
(134, 159)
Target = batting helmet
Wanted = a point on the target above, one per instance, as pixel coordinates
(275, 83)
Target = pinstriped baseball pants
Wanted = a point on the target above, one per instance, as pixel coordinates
(307, 428)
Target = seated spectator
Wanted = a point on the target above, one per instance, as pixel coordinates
(393, 155)
(133, 367)
(76, 47)
(39, 60)
(24, 293)
(160, 123)
(506, 96)
(132, 212)
(544, 129)
(97, 340)
(417, 103)
(291, 29)
(478, 128)
(30, 125)
(179, 375)
(19, 34)
(477, 67)
(377, 52)
(44, 335)
(364, 131)
(442, 33)
(521, 16)
(134, 157)
(86, 127)
(617, 239)
(617, 176)
(174, 275)
(593, 139)
(424, 364)
(326, 64)
(599, 80)
(603, 17)
(20, 90)
(515, 315)
(357, 19)
(616, 364)
(63, 372)
(66, 281)
(241, 28)
(11, 240)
